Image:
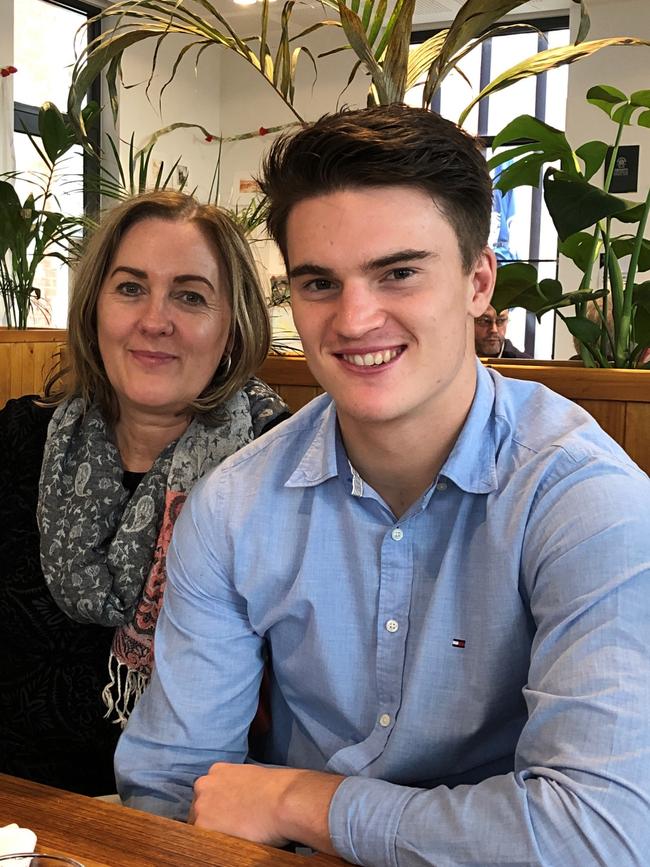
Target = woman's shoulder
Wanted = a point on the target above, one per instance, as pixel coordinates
(26, 412)
(23, 431)
(267, 407)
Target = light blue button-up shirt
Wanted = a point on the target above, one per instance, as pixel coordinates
(479, 669)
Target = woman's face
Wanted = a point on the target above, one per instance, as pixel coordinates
(163, 317)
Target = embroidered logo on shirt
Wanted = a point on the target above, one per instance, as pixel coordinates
(458, 642)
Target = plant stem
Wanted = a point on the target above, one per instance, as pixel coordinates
(595, 249)
(628, 292)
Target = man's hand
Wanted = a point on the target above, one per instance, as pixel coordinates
(266, 805)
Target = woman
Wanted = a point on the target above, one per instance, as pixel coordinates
(167, 325)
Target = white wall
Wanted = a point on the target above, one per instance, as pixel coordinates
(6, 85)
(193, 97)
(626, 68)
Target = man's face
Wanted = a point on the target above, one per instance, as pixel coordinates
(490, 332)
(382, 303)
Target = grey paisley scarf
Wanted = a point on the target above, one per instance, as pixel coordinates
(103, 553)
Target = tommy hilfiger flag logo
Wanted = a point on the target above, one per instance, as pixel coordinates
(458, 642)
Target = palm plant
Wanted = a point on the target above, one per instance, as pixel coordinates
(376, 32)
(35, 229)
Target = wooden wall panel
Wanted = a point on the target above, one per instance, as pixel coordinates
(610, 415)
(637, 434)
(26, 358)
(618, 399)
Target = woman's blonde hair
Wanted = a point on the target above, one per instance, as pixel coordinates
(248, 342)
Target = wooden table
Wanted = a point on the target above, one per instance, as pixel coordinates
(106, 835)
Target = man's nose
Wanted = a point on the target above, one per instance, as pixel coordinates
(493, 326)
(358, 310)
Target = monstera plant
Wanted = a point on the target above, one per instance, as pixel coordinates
(611, 321)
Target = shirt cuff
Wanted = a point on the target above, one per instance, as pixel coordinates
(363, 819)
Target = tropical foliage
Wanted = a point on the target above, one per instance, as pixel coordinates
(38, 228)
(35, 229)
(378, 34)
(592, 225)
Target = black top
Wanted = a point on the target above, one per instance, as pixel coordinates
(52, 670)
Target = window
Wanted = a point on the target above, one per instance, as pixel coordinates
(46, 35)
(528, 234)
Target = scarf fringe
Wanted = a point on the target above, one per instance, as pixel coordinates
(124, 689)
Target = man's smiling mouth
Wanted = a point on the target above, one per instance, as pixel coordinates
(371, 359)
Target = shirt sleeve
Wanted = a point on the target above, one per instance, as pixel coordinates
(579, 792)
(208, 666)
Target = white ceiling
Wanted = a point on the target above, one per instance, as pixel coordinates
(427, 12)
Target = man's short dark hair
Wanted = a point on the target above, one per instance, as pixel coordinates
(377, 147)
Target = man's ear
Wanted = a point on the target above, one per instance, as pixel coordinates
(482, 277)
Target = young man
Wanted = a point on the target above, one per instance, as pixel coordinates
(490, 336)
(448, 569)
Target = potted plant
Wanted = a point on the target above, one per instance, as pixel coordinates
(35, 229)
(612, 321)
(376, 32)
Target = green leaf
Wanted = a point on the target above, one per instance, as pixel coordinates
(551, 289)
(623, 114)
(578, 248)
(585, 22)
(575, 204)
(551, 58)
(524, 172)
(633, 212)
(605, 97)
(641, 294)
(584, 329)
(422, 57)
(53, 131)
(528, 127)
(640, 97)
(641, 325)
(592, 154)
(625, 247)
(397, 52)
(471, 20)
(512, 281)
(644, 119)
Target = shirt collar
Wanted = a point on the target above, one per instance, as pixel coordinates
(318, 462)
(471, 464)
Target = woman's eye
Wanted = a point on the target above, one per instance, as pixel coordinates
(129, 289)
(193, 299)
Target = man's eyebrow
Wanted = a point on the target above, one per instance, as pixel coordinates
(398, 256)
(180, 278)
(309, 269)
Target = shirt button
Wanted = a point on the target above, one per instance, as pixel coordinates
(441, 486)
(392, 625)
(384, 720)
(397, 534)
